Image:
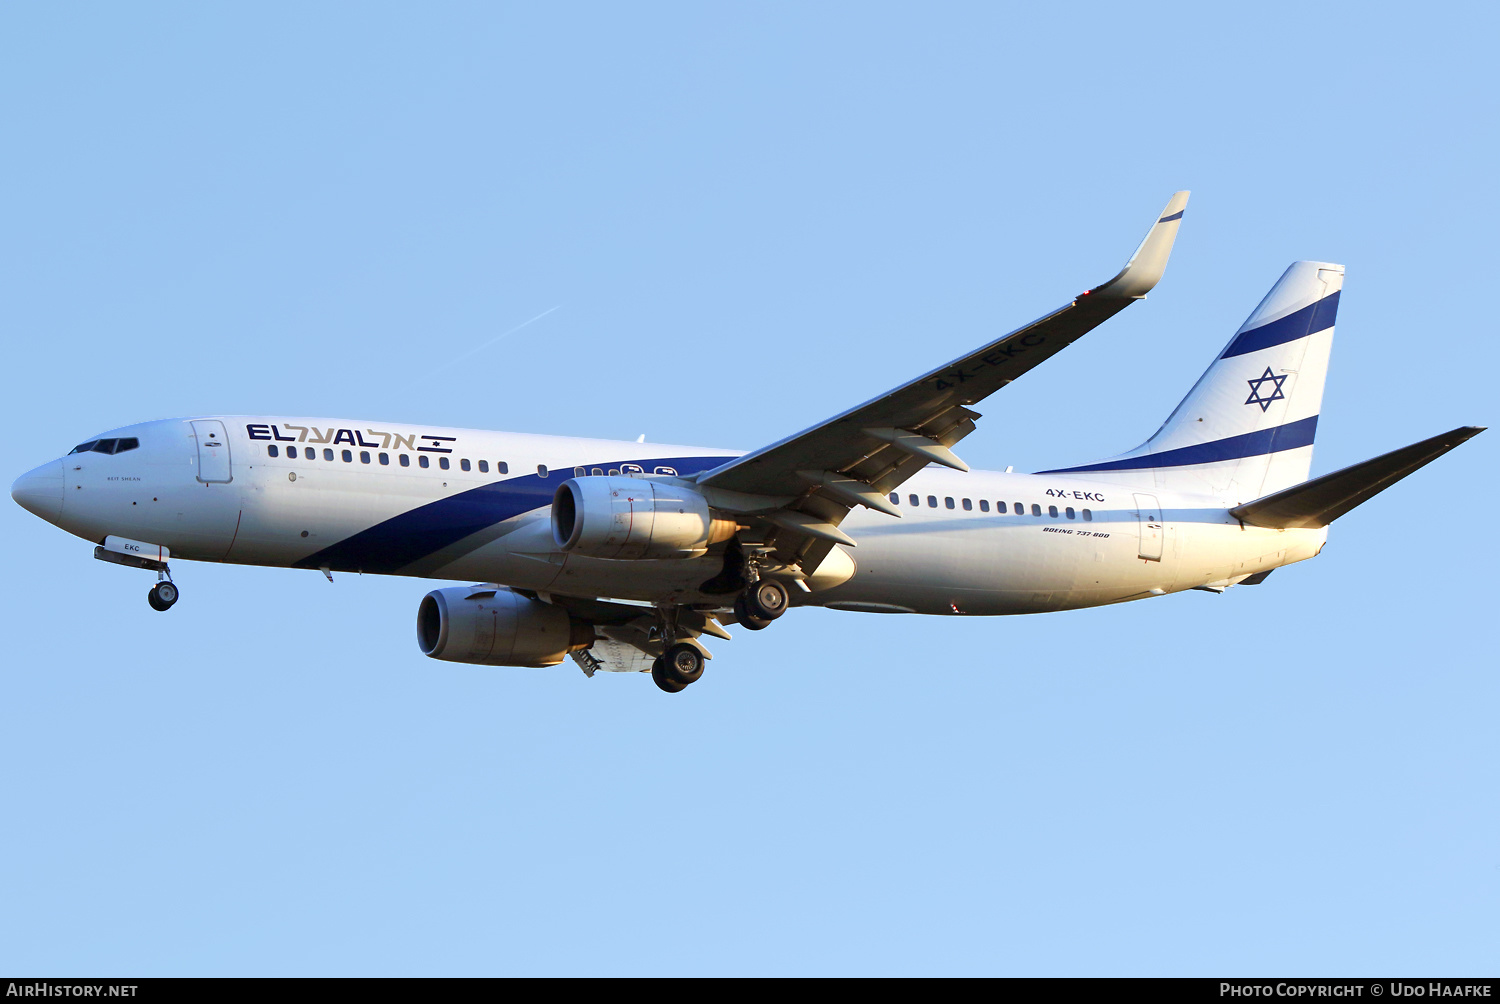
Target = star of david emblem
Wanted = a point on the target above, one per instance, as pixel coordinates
(1258, 388)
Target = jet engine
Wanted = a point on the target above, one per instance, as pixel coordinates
(496, 626)
(615, 517)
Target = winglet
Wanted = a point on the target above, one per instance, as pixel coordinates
(1145, 267)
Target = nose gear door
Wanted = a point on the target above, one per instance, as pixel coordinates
(213, 452)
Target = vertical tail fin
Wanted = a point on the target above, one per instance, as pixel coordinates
(1246, 428)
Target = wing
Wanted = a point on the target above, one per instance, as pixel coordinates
(856, 458)
(626, 634)
(611, 656)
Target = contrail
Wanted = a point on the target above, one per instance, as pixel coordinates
(484, 345)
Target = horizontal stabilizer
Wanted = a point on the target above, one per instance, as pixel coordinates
(1318, 502)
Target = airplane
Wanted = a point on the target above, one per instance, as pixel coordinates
(625, 555)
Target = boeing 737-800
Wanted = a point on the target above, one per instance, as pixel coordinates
(624, 555)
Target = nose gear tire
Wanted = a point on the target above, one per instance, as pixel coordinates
(162, 596)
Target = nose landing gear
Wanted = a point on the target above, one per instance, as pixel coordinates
(163, 594)
(139, 554)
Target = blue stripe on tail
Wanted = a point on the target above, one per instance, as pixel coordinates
(1310, 319)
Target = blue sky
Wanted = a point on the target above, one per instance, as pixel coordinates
(746, 219)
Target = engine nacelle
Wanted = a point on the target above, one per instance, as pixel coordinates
(614, 517)
(496, 627)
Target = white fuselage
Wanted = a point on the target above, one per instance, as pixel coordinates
(346, 500)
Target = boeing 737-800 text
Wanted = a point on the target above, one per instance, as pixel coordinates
(624, 555)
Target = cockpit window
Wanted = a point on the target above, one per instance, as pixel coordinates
(106, 446)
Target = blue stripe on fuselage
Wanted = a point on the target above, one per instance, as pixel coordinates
(1251, 444)
(387, 547)
(1298, 324)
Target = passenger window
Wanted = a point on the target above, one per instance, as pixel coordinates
(484, 467)
(598, 472)
(502, 467)
(273, 450)
(541, 470)
(579, 472)
(348, 457)
(913, 500)
(1036, 510)
(291, 452)
(895, 498)
(1020, 510)
(1070, 513)
(1052, 511)
(443, 462)
(405, 460)
(1088, 517)
(932, 501)
(422, 461)
(385, 460)
(463, 464)
(364, 456)
(984, 505)
(327, 454)
(948, 501)
(1000, 507)
(968, 506)
(614, 473)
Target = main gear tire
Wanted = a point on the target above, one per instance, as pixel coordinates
(660, 678)
(746, 619)
(767, 600)
(682, 663)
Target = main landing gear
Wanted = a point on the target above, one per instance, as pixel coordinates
(677, 667)
(163, 594)
(761, 603)
(681, 663)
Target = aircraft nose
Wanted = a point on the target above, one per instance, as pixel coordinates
(41, 491)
